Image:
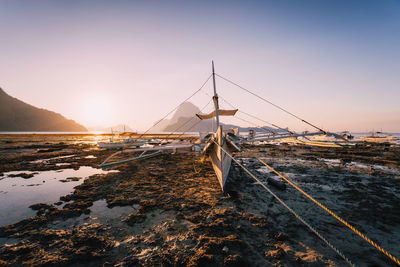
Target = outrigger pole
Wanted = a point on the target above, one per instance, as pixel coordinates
(215, 97)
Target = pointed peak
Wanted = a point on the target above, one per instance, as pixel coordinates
(2, 92)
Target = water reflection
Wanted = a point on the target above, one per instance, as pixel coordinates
(99, 213)
(17, 193)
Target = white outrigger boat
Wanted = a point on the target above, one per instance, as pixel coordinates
(219, 143)
(324, 140)
(219, 147)
(380, 137)
(121, 144)
(216, 146)
(215, 149)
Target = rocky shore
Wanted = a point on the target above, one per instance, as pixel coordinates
(169, 210)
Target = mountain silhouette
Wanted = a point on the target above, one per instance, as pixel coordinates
(184, 120)
(16, 115)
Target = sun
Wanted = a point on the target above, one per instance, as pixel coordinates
(97, 111)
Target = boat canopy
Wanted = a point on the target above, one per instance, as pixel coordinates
(221, 112)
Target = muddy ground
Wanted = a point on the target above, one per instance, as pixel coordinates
(169, 210)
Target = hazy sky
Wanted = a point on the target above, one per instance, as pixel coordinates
(335, 63)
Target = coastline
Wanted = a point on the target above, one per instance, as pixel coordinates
(169, 210)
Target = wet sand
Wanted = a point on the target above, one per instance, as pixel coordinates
(169, 210)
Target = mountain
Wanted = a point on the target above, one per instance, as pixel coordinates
(185, 120)
(16, 115)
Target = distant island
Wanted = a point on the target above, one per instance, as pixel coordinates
(16, 116)
(185, 120)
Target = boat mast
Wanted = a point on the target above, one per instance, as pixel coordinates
(215, 97)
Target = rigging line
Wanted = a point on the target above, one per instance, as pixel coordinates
(252, 123)
(198, 90)
(286, 206)
(276, 126)
(269, 102)
(257, 126)
(249, 115)
(241, 111)
(333, 214)
(197, 121)
(186, 122)
(249, 122)
(189, 128)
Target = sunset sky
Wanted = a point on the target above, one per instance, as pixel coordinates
(334, 63)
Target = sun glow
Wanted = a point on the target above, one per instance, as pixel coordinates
(97, 111)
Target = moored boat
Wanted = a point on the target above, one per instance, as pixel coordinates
(220, 143)
(380, 137)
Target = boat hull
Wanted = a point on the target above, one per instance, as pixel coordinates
(220, 161)
(112, 145)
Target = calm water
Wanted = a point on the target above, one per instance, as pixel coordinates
(17, 194)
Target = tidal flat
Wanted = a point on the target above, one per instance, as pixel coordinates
(60, 208)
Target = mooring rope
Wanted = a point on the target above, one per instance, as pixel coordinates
(269, 102)
(334, 215)
(286, 206)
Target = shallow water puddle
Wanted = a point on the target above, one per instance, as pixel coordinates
(8, 241)
(17, 194)
(99, 212)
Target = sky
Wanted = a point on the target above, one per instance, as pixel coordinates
(101, 63)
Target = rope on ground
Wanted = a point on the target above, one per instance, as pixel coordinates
(286, 206)
(334, 215)
(269, 102)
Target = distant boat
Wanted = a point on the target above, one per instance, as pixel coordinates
(218, 146)
(321, 141)
(347, 135)
(380, 137)
(124, 142)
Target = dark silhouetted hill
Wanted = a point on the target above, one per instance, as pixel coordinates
(16, 115)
